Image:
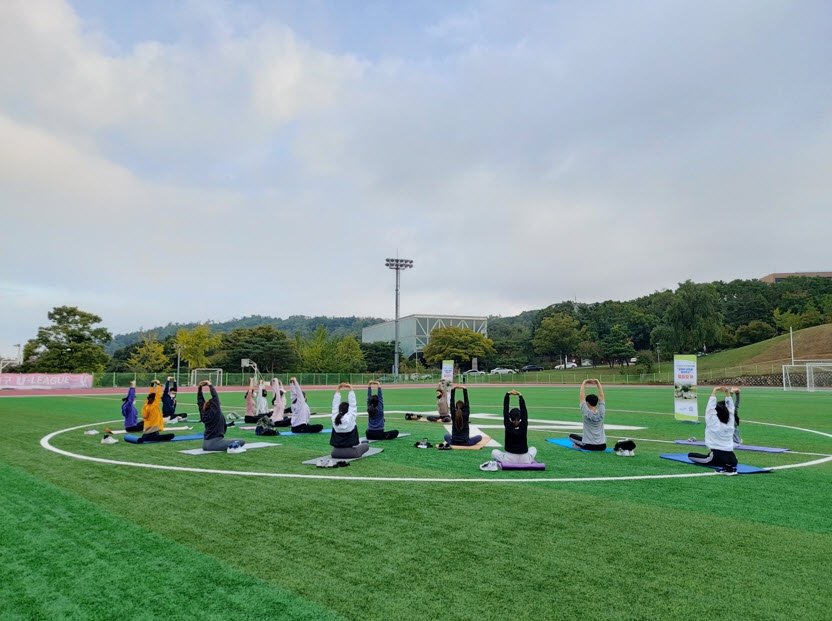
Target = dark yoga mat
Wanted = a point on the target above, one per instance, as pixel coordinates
(135, 439)
(683, 458)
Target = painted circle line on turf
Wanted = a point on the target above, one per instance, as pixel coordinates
(45, 443)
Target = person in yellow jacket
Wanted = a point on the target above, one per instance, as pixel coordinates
(154, 422)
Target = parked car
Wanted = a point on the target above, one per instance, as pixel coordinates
(472, 372)
(419, 376)
(531, 367)
(386, 379)
(569, 365)
(501, 371)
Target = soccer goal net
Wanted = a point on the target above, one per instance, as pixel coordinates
(212, 375)
(810, 376)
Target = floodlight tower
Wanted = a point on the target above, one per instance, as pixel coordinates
(398, 265)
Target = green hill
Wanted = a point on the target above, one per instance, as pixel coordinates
(812, 343)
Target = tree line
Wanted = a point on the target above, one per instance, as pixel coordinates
(695, 317)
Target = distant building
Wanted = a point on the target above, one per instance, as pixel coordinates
(780, 277)
(414, 330)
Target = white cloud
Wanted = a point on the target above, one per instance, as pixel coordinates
(526, 154)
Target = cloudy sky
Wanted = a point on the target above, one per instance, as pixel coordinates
(180, 161)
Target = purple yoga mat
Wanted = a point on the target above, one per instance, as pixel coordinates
(741, 447)
(531, 466)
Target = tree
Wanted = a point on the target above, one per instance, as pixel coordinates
(645, 361)
(378, 357)
(149, 357)
(348, 356)
(317, 353)
(754, 332)
(811, 316)
(694, 316)
(196, 345)
(786, 320)
(458, 344)
(590, 350)
(269, 347)
(557, 334)
(661, 337)
(617, 347)
(70, 345)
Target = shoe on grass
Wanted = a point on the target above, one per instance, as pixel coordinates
(727, 471)
(108, 439)
(91, 432)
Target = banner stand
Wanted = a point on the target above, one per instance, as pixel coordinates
(684, 389)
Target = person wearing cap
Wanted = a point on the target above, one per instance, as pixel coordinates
(516, 423)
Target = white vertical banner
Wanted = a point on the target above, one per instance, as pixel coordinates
(448, 371)
(684, 388)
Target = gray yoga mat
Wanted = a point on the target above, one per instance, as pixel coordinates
(372, 451)
(248, 446)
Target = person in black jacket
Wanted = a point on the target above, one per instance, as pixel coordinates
(344, 438)
(460, 435)
(210, 414)
(516, 422)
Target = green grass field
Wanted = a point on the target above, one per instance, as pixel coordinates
(87, 540)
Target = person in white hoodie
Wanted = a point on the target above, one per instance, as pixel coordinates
(344, 438)
(262, 402)
(719, 433)
(300, 410)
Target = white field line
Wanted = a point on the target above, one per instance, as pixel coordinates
(45, 443)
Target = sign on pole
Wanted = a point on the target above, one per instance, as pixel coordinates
(684, 388)
(448, 371)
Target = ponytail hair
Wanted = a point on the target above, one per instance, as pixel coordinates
(151, 397)
(722, 413)
(372, 410)
(458, 421)
(343, 408)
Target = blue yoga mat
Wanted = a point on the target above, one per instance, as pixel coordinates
(683, 458)
(567, 443)
(135, 439)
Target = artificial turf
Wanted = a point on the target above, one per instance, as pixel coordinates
(90, 540)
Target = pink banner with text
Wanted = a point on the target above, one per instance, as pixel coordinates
(45, 381)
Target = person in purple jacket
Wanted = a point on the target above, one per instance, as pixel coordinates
(375, 410)
(129, 412)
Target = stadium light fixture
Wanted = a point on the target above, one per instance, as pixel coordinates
(398, 265)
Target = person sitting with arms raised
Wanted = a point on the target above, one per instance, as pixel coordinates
(460, 432)
(593, 409)
(210, 414)
(279, 409)
(169, 402)
(719, 433)
(516, 422)
(250, 396)
(154, 422)
(129, 411)
(262, 401)
(375, 411)
(443, 410)
(300, 410)
(344, 439)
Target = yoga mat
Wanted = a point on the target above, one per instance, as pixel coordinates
(532, 466)
(473, 430)
(314, 462)
(683, 458)
(135, 439)
(740, 447)
(567, 443)
(482, 443)
(401, 435)
(287, 433)
(253, 445)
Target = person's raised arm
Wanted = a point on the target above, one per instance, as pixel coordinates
(506, 405)
(353, 405)
(453, 395)
(200, 398)
(167, 386)
(583, 391)
(380, 399)
(600, 391)
(336, 400)
(524, 414)
(465, 397)
(214, 394)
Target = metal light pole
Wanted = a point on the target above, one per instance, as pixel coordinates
(659, 356)
(19, 356)
(178, 356)
(398, 265)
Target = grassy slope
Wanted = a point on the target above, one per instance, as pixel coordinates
(813, 342)
(375, 550)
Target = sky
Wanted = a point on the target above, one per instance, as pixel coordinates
(165, 161)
